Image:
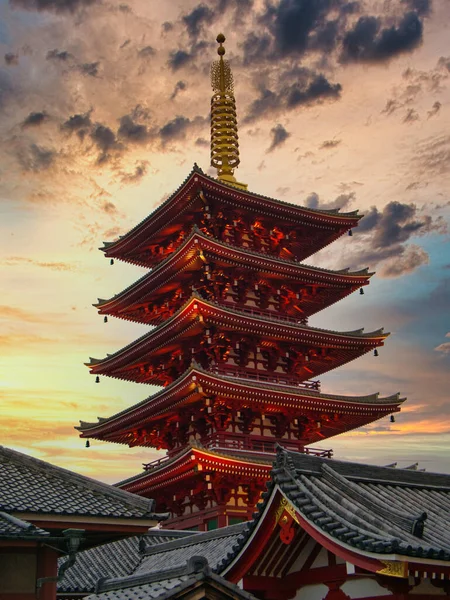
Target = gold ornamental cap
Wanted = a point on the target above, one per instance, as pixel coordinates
(224, 133)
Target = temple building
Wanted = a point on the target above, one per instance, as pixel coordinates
(228, 297)
(324, 530)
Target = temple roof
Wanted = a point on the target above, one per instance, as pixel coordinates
(375, 511)
(197, 241)
(193, 579)
(186, 463)
(33, 487)
(113, 560)
(182, 390)
(13, 528)
(194, 181)
(187, 316)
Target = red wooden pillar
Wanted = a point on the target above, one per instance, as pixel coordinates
(47, 566)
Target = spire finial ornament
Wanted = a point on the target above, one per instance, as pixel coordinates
(224, 135)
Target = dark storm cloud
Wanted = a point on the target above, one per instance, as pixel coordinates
(105, 140)
(329, 144)
(147, 52)
(179, 59)
(201, 15)
(57, 6)
(396, 223)
(36, 158)
(139, 172)
(35, 119)
(131, 131)
(411, 116)
(340, 202)
(385, 235)
(11, 59)
(369, 42)
(180, 86)
(90, 69)
(408, 260)
(292, 21)
(77, 122)
(56, 54)
(257, 48)
(311, 88)
(434, 110)
(201, 142)
(174, 129)
(279, 135)
(167, 26)
(316, 91)
(177, 128)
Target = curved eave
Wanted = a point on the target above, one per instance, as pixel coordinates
(186, 465)
(230, 319)
(196, 383)
(196, 179)
(177, 261)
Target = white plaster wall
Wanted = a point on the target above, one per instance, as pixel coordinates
(312, 592)
(364, 588)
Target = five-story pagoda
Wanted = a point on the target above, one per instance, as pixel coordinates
(231, 347)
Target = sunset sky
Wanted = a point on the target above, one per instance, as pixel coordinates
(104, 108)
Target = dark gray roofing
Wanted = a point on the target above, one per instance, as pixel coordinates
(11, 527)
(29, 485)
(374, 509)
(194, 574)
(156, 589)
(213, 545)
(115, 559)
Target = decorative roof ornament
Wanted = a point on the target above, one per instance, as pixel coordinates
(224, 135)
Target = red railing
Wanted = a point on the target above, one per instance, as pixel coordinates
(255, 375)
(257, 446)
(227, 441)
(259, 312)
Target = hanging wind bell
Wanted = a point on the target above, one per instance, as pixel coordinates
(375, 352)
(88, 445)
(97, 379)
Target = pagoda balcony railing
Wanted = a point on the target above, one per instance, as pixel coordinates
(263, 376)
(230, 442)
(270, 314)
(227, 441)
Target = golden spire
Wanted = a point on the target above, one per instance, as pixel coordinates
(224, 135)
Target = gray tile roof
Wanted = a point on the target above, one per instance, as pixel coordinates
(29, 485)
(193, 576)
(374, 509)
(147, 590)
(115, 559)
(213, 545)
(11, 527)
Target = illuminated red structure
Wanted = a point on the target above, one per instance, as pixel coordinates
(232, 348)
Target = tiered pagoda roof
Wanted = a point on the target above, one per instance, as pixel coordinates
(158, 235)
(197, 385)
(160, 292)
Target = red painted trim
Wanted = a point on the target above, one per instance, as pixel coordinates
(257, 545)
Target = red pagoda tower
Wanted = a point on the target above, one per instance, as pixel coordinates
(230, 346)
